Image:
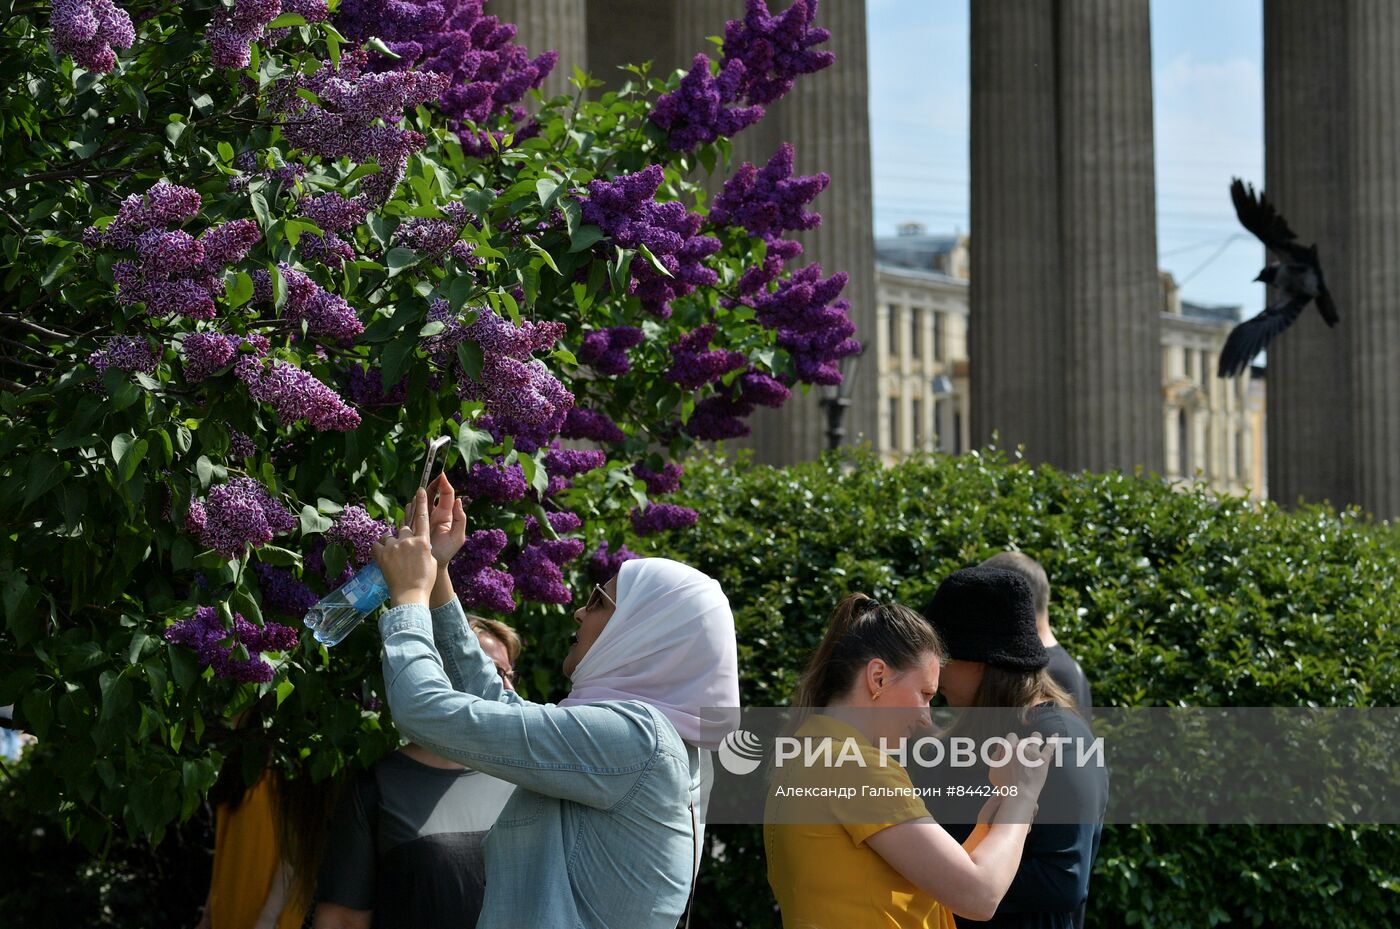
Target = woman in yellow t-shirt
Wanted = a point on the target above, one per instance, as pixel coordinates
(850, 845)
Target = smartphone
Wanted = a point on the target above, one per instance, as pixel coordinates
(435, 446)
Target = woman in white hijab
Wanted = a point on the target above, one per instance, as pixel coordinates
(605, 826)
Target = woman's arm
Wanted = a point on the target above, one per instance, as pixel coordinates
(972, 882)
(590, 754)
(276, 897)
(468, 668)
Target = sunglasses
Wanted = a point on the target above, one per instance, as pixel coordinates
(508, 674)
(596, 599)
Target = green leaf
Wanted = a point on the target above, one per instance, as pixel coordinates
(654, 261)
(585, 237)
(284, 690)
(295, 227)
(335, 558)
(276, 555)
(260, 210)
(225, 152)
(377, 44)
(548, 190)
(472, 443)
(400, 258)
(127, 452)
(45, 470)
(116, 694)
(618, 270)
(38, 713)
(470, 358)
(333, 41)
(548, 258)
(243, 602)
(138, 643)
(287, 19)
(204, 470)
(394, 361)
(312, 522)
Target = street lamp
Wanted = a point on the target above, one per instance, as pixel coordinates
(838, 399)
(942, 386)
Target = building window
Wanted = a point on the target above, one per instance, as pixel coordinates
(940, 428)
(1183, 444)
(957, 432)
(938, 347)
(894, 330)
(894, 423)
(916, 342)
(916, 409)
(1239, 456)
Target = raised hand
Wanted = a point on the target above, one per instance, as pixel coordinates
(448, 522)
(407, 561)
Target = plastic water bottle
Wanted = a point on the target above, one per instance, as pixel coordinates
(344, 608)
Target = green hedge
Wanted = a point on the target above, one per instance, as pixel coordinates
(1166, 596)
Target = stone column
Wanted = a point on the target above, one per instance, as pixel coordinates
(1370, 326)
(628, 32)
(826, 117)
(1109, 236)
(549, 24)
(1016, 324)
(1310, 409)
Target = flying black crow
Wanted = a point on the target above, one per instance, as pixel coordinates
(1298, 278)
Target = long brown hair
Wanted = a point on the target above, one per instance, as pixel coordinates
(862, 629)
(1004, 700)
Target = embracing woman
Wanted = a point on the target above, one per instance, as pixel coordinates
(606, 824)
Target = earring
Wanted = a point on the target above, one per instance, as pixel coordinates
(876, 695)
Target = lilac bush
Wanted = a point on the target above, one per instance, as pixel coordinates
(258, 253)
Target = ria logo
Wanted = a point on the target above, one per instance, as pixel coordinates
(741, 752)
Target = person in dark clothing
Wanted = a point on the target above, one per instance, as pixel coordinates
(405, 847)
(1063, 668)
(998, 669)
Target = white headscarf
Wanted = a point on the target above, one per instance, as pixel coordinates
(670, 642)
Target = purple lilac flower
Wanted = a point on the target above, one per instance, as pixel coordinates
(333, 213)
(662, 517)
(239, 513)
(282, 592)
(88, 30)
(478, 583)
(606, 349)
(592, 425)
(701, 109)
(231, 34)
(325, 313)
(759, 389)
(313, 11)
(240, 445)
(665, 481)
(495, 482)
(517, 390)
(693, 365)
(328, 250)
(486, 73)
(774, 50)
(571, 462)
(604, 564)
(366, 388)
(125, 353)
(165, 204)
(717, 418)
(356, 531)
(768, 202)
(814, 330)
(229, 243)
(205, 634)
(438, 238)
(626, 210)
(537, 568)
(347, 121)
(207, 352)
(167, 254)
(296, 394)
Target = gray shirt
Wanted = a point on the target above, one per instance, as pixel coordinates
(406, 842)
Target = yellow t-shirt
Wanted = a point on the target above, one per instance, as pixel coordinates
(822, 872)
(245, 862)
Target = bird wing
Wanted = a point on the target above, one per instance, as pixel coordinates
(1252, 336)
(1325, 306)
(1260, 217)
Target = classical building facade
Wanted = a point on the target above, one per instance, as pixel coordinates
(1212, 430)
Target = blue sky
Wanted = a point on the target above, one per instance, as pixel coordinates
(1207, 73)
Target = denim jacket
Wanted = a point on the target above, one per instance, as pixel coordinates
(600, 830)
